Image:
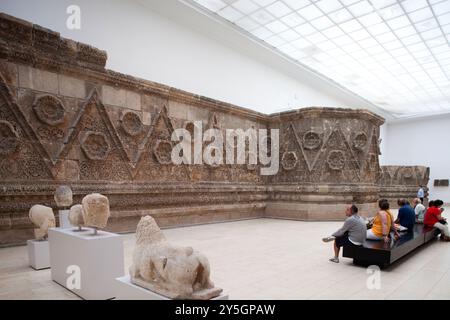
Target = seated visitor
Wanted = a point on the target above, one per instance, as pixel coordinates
(406, 215)
(433, 218)
(419, 210)
(383, 223)
(352, 233)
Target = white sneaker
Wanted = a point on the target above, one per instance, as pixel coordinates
(335, 260)
(328, 239)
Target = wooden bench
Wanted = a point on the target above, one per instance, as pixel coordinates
(383, 254)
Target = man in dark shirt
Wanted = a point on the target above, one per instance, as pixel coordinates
(406, 216)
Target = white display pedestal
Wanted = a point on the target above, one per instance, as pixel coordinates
(64, 222)
(38, 254)
(84, 263)
(125, 290)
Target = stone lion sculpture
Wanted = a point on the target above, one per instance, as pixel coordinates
(76, 216)
(175, 272)
(43, 218)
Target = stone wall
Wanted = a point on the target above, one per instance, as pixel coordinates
(65, 119)
(403, 182)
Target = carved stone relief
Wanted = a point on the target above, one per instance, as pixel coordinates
(360, 141)
(336, 160)
(49, 110)
(131, 123)
(289, 160)
(311, 140)
(95, 145)
(9, 139)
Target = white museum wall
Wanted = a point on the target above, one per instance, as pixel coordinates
(421, 142)
(143, 42)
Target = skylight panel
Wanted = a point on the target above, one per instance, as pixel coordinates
(391, 12)
(421, 15)
(398, 22)
(278, 9)
(340, 16)
(370, 19)
(441, 8)
(262, 16)
(230, 14)
(305, 29)
(289, 35)
(310, 12)
(394, 53)
(328, 6)
(262, 33)
(247, 24)
(413, 5)
(213, 5)
(360, 8)
(297, 4)
(292, 20)
(245, 6)
(261, 3)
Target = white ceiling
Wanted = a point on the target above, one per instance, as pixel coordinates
(395, 54)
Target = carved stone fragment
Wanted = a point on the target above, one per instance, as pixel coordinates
(63, 196)
(43, 218)
(76, 216)
(95, 210)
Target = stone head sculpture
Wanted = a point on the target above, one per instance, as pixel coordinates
(95, 211)
(76, 216)
(175, 272)
(63, 196)
(43, 218)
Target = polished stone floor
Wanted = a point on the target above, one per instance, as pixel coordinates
(265, 259)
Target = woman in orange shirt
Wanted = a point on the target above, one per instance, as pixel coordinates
(383, 223)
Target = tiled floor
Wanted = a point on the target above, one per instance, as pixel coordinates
(266, 259)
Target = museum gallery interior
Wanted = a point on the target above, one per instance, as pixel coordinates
(224, 149)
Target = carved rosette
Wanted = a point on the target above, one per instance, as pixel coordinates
(9, 139)
(311, 140)
(289, 160)
(336, 160)
(360, 141)
(49, 110)
(95, 145)
(163, 151)
(407, 173)
(131, 123)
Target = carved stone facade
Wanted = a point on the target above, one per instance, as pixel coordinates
(65, 119)
(325, 163)
(403, 182)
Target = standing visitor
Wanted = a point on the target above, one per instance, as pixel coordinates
(421, 193)
(419, 210)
